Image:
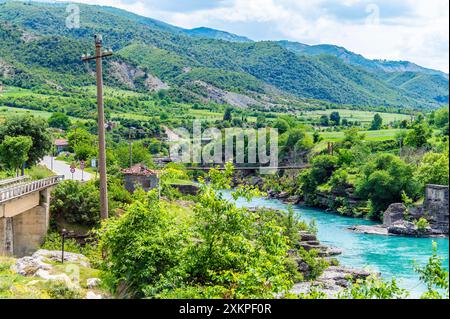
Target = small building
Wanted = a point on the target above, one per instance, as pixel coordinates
(61, 145)
(142, 176)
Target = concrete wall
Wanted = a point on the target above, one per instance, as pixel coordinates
(29, 229)
(436, 207)
(22, 233)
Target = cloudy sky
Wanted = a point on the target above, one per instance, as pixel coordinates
(413, 30)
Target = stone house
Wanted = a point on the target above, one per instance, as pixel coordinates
(141, 176)
(61, 145)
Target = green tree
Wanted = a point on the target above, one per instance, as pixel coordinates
(140, 154)
(418, 136)
(84, 151)
(383, 180)
(316, 137)
(59, 120)
(377, 122)
(324, 120)
(323, 167)
(441, 118)
(282, 125)
(14, 151)
(335, 118)
(31, 126)
(227, 116)
(434, 169)
(373, 288)
(80, 136)
(260, 121)
(352, 137)
(296, 140)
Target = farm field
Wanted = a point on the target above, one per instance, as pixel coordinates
(6, 111)
(381, 135)
(354, 115)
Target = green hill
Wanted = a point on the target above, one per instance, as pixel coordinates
(40, 51)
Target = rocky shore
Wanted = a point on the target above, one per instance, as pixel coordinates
(334, 278)
(430, 219)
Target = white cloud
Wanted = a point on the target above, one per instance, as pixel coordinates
(414, 30)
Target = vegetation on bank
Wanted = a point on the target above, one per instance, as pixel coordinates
(372, 174)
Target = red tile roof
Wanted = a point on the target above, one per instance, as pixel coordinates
(61, 142)
(139, 170)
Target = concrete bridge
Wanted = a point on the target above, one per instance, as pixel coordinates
(24, 214)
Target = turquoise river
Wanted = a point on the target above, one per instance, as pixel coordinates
(392, 256)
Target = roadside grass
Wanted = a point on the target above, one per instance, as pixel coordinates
(182, 211)
(39, 172)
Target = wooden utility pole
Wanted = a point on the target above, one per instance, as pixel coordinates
(99, 55)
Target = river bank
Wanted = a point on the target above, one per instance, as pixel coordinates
(391, 256)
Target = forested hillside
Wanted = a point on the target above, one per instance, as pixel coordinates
(153, 55)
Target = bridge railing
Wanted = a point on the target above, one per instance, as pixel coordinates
(24, 189)
(11, 181)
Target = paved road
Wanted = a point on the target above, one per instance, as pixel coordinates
(62, 168)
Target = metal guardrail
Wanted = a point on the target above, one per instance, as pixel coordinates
(15, 180)
(9, 193)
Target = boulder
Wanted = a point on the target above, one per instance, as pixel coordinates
(93, 282)
(292, 199)
(395, 212)
(283, 195)
(93, 295)
(306, 236)
(405, 228)
(370, 229)
(30, 265)
(332, 280)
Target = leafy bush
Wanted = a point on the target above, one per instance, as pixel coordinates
(434, 169)
(76, 203)
(315, 263)
(142, 246)
(435, 277)
(383, 180)
(373, 288)
(223, 252)
(58, 289)
(422, 224)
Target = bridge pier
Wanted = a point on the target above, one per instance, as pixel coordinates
(24, 221)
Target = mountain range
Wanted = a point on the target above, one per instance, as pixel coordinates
(38, 50)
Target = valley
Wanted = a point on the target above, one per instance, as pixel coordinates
(322, 140)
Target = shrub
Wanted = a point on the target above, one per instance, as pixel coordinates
(141, 246)
(434, 276)
(76, 203)
(422, 224)
(58, 289)
(373, 288)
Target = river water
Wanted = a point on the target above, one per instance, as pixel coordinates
(392, 256)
